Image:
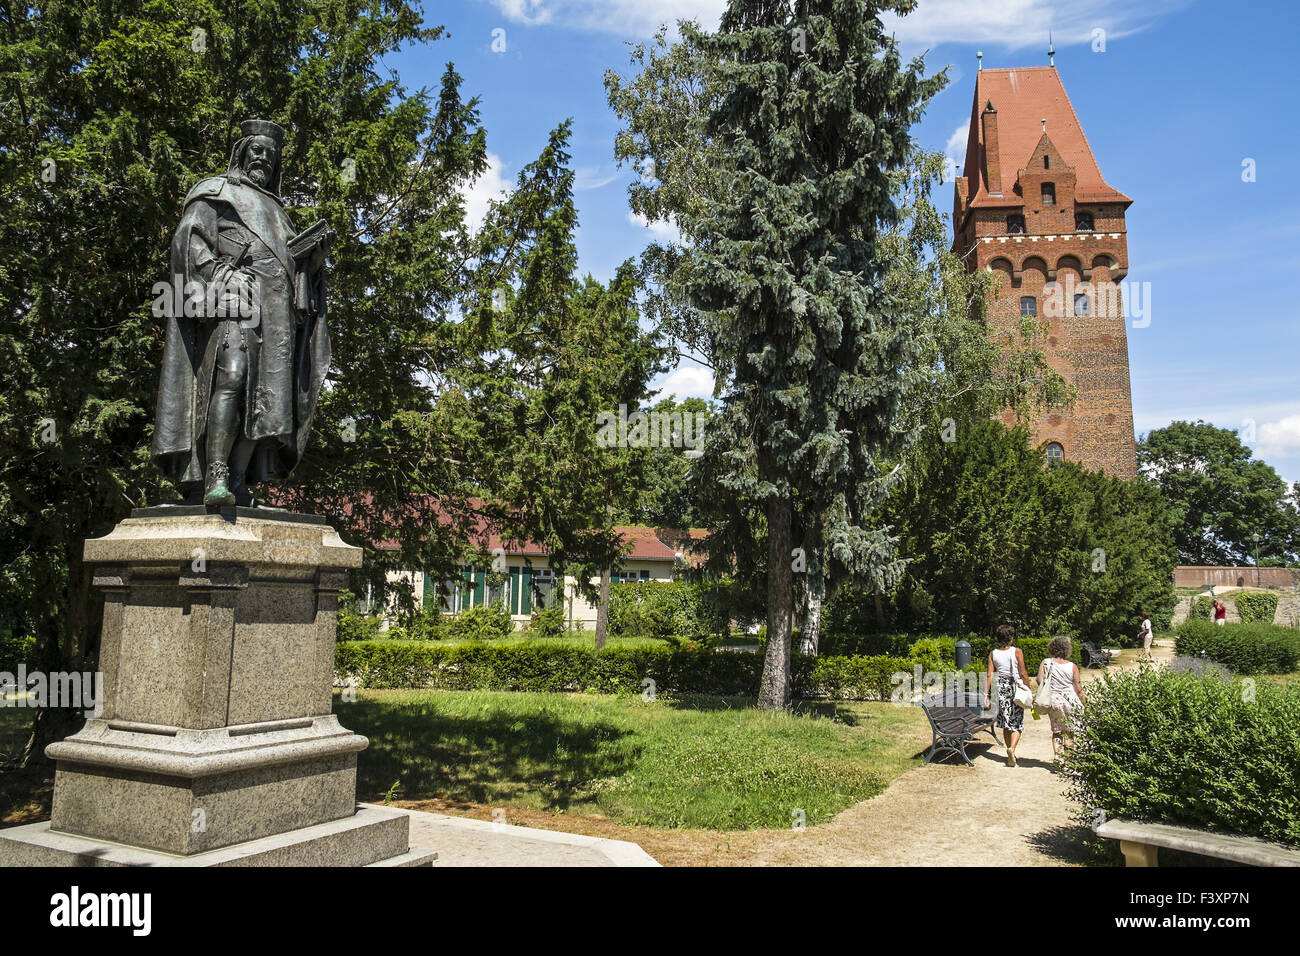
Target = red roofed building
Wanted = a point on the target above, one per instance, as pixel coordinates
(525, 583)
(1032, 206)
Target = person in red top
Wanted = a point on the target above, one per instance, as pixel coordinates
(1220, 612)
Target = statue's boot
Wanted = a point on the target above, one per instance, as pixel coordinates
(218, 491)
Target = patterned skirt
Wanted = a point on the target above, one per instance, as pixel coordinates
(1065, 706)
(1010, 715)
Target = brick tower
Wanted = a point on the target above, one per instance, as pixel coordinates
(1031, 205)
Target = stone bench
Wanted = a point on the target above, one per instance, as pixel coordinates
(1140, 842)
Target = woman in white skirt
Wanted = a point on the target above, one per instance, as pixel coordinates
(1006, 664)
(1062, 677)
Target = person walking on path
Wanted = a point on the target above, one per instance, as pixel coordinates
(1062, 678)
(1146, 634)
(1007, 666)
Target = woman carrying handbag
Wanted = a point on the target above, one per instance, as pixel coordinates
(1007, 667)
(1059, 691)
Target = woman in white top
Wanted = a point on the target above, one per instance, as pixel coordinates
(1062, 674)
(1007, 663)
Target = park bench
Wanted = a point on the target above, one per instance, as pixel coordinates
(1141, 842)
(1094, 655)
(955, 718)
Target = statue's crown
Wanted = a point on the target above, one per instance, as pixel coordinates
(259, 127)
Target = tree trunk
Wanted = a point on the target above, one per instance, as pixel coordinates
(809, 638)
(602, 610)
(774, 693)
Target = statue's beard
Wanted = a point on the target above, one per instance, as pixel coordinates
(259, 174)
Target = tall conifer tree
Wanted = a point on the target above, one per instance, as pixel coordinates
(817, 107)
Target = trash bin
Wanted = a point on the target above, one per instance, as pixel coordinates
(963, 654)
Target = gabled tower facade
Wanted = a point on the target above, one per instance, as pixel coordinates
(1031, 205)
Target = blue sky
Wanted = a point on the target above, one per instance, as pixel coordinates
(1183, 93)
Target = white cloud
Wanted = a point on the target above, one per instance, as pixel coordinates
(1280, 439)
(640, 18)
(687, 381)
(524, 11)
(998, 24)
(662, 231)
(955, 149)
(588, 178)
(1017, 24)
(491, 185)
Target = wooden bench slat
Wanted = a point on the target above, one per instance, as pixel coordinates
(1224, 846)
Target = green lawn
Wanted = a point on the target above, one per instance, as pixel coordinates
(704, 762)
(24, 794)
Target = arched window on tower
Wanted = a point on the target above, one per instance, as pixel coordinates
(1049, 194)
(1055, 453)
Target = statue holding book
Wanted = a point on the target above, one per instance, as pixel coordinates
(247, 345)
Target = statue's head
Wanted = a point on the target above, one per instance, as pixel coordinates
(256, 155)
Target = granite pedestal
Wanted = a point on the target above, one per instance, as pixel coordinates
(216, 744)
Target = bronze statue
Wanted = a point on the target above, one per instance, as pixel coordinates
(247, 345)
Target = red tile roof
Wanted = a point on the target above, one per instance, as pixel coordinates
(1023, 97)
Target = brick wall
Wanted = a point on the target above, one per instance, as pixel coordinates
(1051, 262)
(1194, 576)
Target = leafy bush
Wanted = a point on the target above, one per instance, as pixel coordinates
(548, 622)
(1256, 607)
(929, 653)
(427, 624)
(1243, 648)
(662, 609)
(1201, 608)
(923, 648)
(352, 624)
(16, 649)
(482, 623)
(1176, 748)
(567, 669)
(835, 644)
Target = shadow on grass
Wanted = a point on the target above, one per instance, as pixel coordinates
(839, 711)
(26, 794)
(486, 757)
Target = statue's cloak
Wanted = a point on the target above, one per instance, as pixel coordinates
(288, 353)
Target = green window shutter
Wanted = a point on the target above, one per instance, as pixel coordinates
(430, 593)
(480, 579)
(526, 591)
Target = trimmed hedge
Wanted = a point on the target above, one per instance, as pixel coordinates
(1165, 747)
(566, 669)
(906, 645)
(662, 609)
(1242, 648)
(1202, 608)
(1256, 607)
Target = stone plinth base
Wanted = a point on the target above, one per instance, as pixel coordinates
(190, 791)
(369, 837)
(215, 744)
